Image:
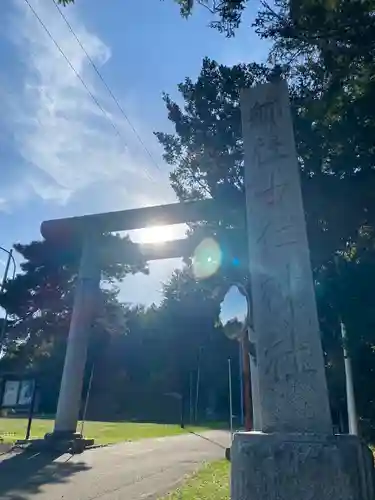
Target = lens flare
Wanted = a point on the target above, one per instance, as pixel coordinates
(207, 259)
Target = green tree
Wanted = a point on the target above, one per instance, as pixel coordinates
(161, 354)
(42, 295)
(206, 154)
(326, 50)
(344, 292)
(227, 13)
(164, 348)
(194, 340)
(39, 303)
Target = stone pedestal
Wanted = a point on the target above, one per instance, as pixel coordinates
(300, 467)
(58, 443)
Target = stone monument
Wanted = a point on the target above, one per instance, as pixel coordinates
(295, 456)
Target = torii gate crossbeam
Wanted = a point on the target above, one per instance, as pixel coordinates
(127, 220)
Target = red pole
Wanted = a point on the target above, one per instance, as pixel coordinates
(247, 384)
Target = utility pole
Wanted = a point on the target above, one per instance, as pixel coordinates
(2, 288)
(7, 265)
(191, 407)
(241, 377)
(198, 385)
(350, 397)
(349, 384)
(230, 398)
(247, 383)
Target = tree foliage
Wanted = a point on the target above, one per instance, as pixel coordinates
(139, 354)
(39, 303)
(40, 299)
(206, 153)
(333, 120)
(227, 13)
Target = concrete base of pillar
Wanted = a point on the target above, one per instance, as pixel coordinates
(62, 436)
(300, 467)
(60, 442)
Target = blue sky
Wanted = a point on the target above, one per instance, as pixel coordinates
(60, 154)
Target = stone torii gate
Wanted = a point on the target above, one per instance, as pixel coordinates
(294, 453)
(90, 228)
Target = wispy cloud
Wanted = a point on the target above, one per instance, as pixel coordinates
(68, 143)
(3, 205)
(61, 147)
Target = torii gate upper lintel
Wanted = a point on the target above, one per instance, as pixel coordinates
(127, 220)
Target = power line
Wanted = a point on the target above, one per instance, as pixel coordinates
(115, 100)
(73, 69)
(105, 114)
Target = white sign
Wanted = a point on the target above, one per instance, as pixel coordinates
(26, 393)
(10, 393)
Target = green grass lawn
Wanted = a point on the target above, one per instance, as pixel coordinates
(210, 483)
(12, 429)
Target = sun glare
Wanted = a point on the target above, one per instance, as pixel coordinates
(157, 234)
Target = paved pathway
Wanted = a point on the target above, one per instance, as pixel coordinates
(130, 471)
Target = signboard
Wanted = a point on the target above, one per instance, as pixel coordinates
(17, 393)
(26, 393)
(10, 395)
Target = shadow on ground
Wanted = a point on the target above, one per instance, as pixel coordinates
(202, 437)
(23, 474)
